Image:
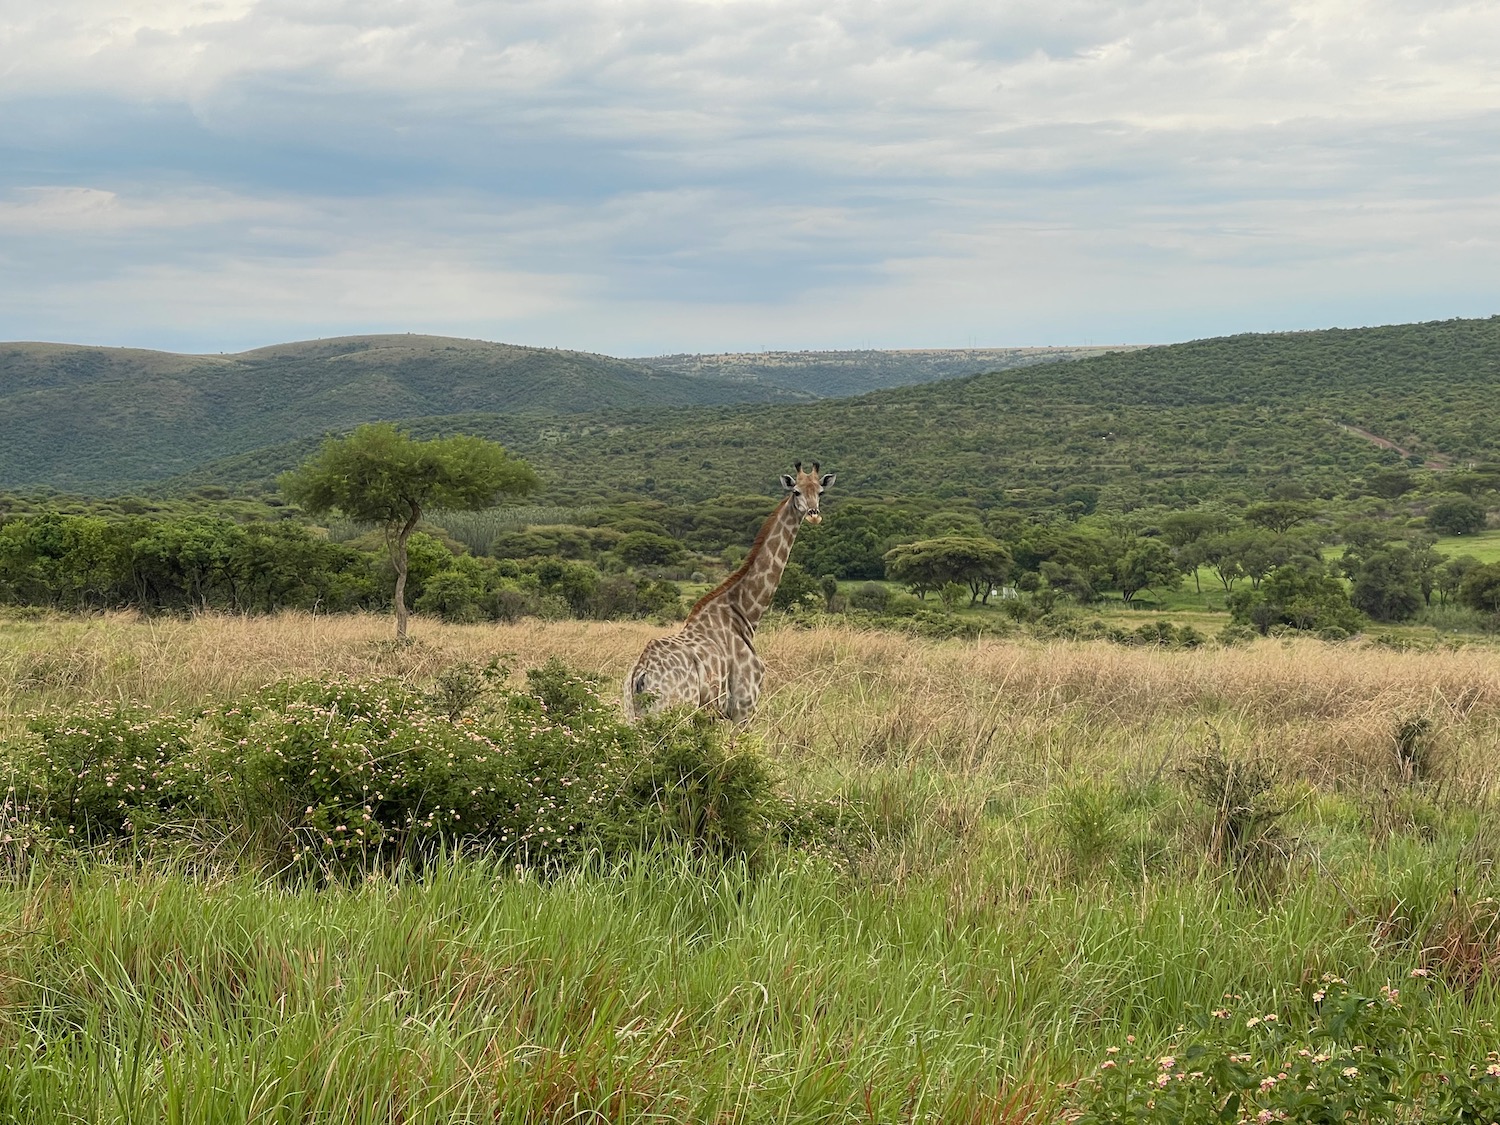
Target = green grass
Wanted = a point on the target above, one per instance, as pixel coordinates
(1004, 872)
(1484, 546)
(662, 989)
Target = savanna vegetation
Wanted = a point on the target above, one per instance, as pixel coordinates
(1117, 763)
(1001, 880)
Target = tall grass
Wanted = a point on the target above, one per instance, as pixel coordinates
(1008, 871)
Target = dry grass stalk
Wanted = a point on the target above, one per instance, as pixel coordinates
(1020, 712)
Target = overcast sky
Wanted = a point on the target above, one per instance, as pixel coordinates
(644, 176)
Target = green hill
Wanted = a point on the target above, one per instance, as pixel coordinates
(1166, 424)
(99, 418)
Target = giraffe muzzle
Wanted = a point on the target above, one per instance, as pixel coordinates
(813, 517)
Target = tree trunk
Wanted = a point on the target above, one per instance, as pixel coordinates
(398, 559)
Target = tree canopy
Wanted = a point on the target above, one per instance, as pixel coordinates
(380, 475)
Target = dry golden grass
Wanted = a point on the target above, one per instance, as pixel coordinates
(1012, 712)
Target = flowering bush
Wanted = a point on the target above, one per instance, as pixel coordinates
(343, 774)
(1337, 1056)
(103, 772)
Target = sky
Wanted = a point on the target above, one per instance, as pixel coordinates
(638, 177)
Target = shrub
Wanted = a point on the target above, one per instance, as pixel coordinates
(872, 597)
(1456, 515)
(1413, 741)
(1242, 830)
(105, 771)
(1089, 825)
(343, 775)
(452, 595)
(1307, 599)
(1330, 1054)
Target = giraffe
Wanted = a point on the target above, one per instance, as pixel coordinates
(711, 662)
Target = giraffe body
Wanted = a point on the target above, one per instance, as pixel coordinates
(711, 662)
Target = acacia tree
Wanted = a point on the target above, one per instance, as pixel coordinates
(930, 564)
(379, 474)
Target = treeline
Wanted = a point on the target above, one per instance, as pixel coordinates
(194, 563)
(1294, 560)
(1295, 563)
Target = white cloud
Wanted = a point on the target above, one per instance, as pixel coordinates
(653, 172)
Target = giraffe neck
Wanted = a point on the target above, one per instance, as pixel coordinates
(749, 589)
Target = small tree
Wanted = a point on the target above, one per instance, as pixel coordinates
(1302, 597)
(796, 587)
(1149, 565)
(1279, 516)
(1387, 585)
(1456, 515)
(379, 474)
(1480, 588)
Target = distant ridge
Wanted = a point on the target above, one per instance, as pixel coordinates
(836, 374)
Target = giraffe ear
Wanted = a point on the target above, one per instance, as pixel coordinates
(788, 481)
(828, 479)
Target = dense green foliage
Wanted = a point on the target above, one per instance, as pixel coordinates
(199, 563)
(1332, 1054)
(378, 474)
(189, 563)
(341, 775)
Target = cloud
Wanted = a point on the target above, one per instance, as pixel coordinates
(669, 174)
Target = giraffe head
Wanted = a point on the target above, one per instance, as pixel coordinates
(805, 488)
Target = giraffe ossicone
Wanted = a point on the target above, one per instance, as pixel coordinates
(711, 661)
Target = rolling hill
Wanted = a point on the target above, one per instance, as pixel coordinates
(1166, 424)
(90, 418)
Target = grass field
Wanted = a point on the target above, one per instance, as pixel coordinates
(1485, 546)
(1034, 868)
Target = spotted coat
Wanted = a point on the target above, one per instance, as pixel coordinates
(711, 662)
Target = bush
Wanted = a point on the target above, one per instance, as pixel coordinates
(105, 772)
(871, 597)
(1303, 599)
(342, 775)
(1331, 1054)
(1456, 515)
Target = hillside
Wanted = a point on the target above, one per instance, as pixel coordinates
(1165, 424)
(91, 418)
(838, 374)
